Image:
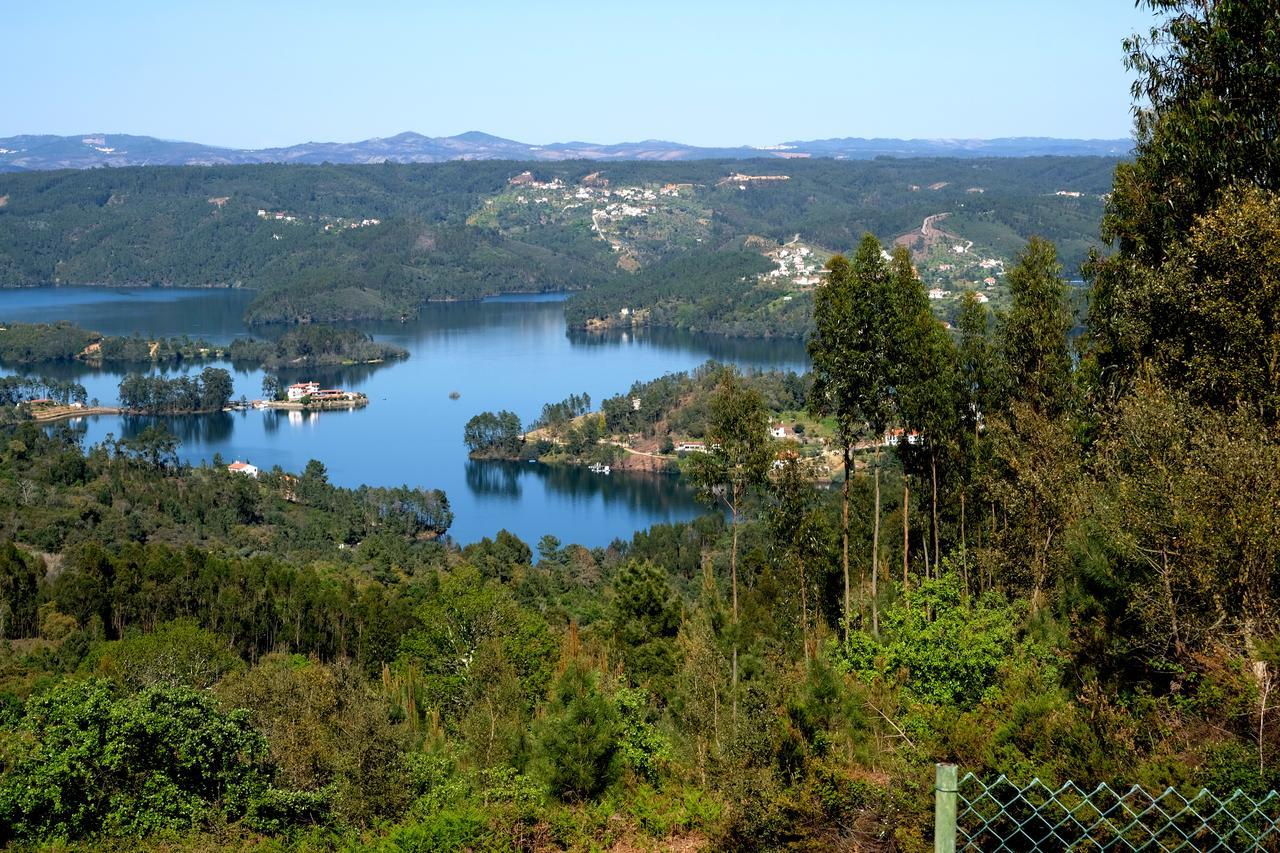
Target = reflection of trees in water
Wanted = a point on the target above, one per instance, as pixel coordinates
(346, 376)
(494, 479)
(214, 314)
(657, 494)
(783, 353)
(190, 429)
(455, 319)
(63, 370)
(77, 428)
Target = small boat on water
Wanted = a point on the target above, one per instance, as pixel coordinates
(598, 468)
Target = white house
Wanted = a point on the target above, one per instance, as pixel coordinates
(245, 468)
(893, 437)
(299, 390)
(778, 431)
(691, 447)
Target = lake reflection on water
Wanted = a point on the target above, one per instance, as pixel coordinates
(506, 353)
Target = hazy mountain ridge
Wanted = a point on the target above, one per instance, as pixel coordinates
(39, 152)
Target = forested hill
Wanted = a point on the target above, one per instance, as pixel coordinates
(333, 242)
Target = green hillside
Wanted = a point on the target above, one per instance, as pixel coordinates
(377, 241)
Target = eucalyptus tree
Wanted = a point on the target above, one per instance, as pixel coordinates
(1207, 105)
(735, 466)
(976, 390)
(925, 383)
(1035, 458)
(798, 532)
(850, 351)
(1032, 336)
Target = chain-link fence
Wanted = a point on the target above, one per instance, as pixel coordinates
(1001, 815)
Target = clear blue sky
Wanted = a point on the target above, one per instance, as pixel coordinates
(275, 72)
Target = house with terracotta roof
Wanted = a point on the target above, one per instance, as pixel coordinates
(245, 468)
(298, 390)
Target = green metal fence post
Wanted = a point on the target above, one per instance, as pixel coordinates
(944, 808)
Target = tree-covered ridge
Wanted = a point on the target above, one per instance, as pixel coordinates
(302, 346)
(312, 345)
(286, 230)
(703, 291)
(37, 343)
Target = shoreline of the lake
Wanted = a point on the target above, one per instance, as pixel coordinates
(502, 352)
(64, 413)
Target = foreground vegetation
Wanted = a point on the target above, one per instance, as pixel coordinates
(1071, 573)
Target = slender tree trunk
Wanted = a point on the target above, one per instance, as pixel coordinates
(733, 559)
(991, 540)
(906, 532)
(844, 533)
(804, 610)
(964, 551)
(1169, 602)
(735, 685)
(1264, 693)
(937, 552)
(733, 571)
(715, 714)
(875, 555)
(928, 563)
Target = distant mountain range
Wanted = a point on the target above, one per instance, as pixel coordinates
(29, 153)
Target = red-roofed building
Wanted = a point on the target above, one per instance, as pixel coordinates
(245, 468)
(299, 390)
(893, 437)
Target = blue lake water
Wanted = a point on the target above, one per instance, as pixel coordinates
(504, 353)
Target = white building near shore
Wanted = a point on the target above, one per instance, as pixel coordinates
(299, 390)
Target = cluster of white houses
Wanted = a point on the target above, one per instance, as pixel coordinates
(892, 438)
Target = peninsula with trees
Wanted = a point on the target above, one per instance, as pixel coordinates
(299, 347)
